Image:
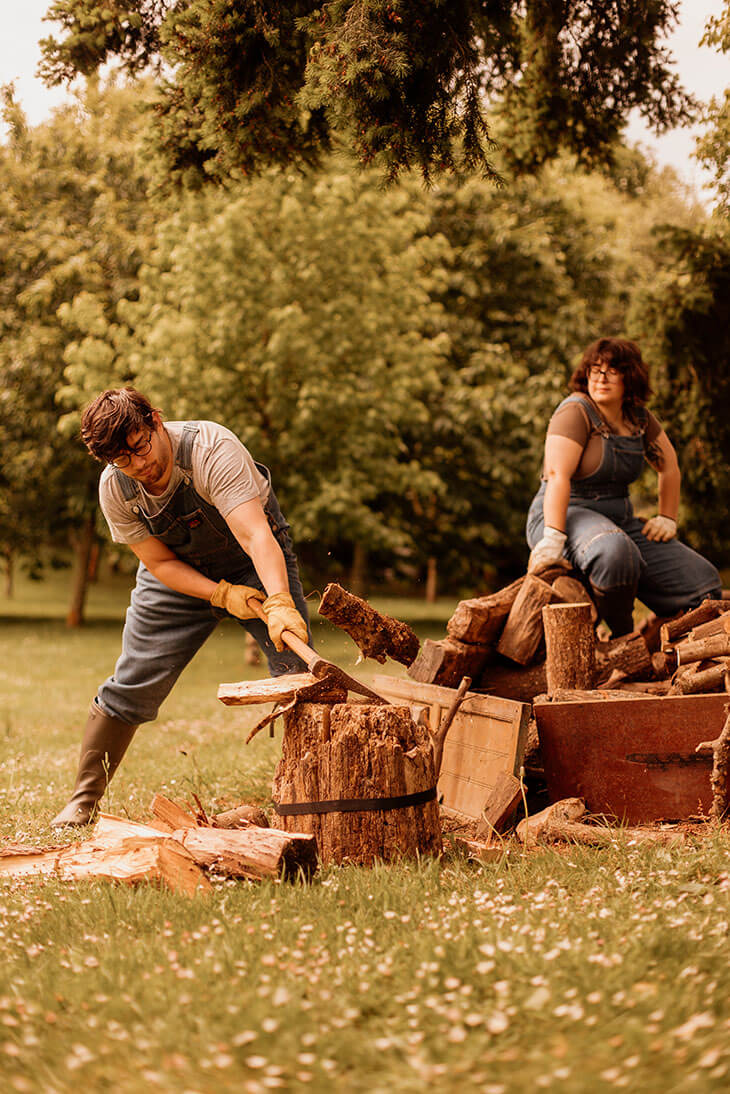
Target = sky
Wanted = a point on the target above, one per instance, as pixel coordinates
(704, 72)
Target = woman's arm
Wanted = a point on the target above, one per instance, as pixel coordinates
(562, 457)
(663, 458)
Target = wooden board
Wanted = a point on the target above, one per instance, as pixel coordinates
(632, 759)
(488, 736)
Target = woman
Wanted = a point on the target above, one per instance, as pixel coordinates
(596, 444)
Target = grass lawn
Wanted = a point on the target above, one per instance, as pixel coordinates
(570, 969)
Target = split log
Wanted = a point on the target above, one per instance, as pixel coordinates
(501, 805)
(675, 628)
(448, 661)
(171, 815)
(130, 860)
(704, 649)
(576, 695)
(720, 778)
(643, 688)
(252, 853)
(650, 628)
(280, 689)
(523, 631)
(628, 655)
(713, 626)
(708, 678)
(343, 774)
(561, 821)
(480, 621)
(570, 645)
(664, 662)
(243, 816)
(510, 681)
(377, 635)
(572, 591)
(562, 812)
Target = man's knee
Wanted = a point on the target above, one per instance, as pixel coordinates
(611, 560)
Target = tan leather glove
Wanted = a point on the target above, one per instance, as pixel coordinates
(548, 549)
(282, 615)
(233, 599)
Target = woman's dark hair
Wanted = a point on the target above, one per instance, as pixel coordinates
(107, 422)
(624, 355)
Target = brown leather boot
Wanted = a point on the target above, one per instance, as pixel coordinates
(103, 746)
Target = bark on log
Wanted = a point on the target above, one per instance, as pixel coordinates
(628, 655)
(376, 635)
(448, 661)
(704, 649)
(510, 681)
(664, 662)
(480, 621)
(501, 805)
(675, 628)
(243, 816)
(561, 821)
(720, 777)
(523, 631)
(710, 678)
(570, 645)
(358, 751)
(713, 626)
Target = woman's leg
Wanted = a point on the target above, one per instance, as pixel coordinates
(674, 577)
(609, 562)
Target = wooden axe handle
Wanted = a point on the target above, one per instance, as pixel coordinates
(310, 657)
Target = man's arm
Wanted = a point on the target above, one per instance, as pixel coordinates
(251, 528)
(171, 570)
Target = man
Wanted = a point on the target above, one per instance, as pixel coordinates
(204, 522)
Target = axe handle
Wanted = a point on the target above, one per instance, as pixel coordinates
(301, 649)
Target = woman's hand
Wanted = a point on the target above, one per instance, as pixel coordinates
(547, 550)
(660, 529)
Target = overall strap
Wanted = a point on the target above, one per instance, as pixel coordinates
(128, 487)
(185, 448)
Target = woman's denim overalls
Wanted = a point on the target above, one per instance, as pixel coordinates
(164, 629)
(605, 542)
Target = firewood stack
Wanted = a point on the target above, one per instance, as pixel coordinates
(499, 640)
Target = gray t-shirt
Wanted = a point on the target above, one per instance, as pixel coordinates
(224, 474)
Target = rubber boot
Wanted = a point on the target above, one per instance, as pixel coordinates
(616, 608)
(103, 746)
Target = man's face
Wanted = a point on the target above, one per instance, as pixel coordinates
(147, 456)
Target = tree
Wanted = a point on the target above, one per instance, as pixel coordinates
(73, 217)
(714, 147)
(245, 85)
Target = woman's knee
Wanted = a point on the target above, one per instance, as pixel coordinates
(611, 560)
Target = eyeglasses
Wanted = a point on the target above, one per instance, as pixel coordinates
(609, 371)
(140, 449)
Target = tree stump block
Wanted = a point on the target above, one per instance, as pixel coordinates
(571, 646)
(350, 753)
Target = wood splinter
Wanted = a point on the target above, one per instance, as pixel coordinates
(376, 635)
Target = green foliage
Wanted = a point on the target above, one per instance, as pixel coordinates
(72, 218)
(681, 317)
(400, 84)
(714, 146)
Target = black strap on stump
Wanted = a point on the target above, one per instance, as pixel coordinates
(356, 805)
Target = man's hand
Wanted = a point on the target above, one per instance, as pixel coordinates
(234, 599)
(282, 615)
(548, 549)
(660, 529)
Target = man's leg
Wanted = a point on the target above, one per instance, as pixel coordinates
(162, 632)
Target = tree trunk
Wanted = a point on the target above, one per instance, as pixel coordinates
(358, 573)
(432, 574)
(352, 752)
(9, 575)
(83, 545)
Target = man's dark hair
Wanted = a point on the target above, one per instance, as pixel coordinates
(624, 355)
(107, 422)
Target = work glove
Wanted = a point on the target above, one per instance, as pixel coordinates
(659, 528)
(548, 549)
(233, 599)
(282, 615)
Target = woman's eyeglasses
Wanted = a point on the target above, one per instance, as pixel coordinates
(609, 371)
(140, 449)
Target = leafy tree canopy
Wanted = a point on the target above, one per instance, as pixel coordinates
(714, 146)
(244, 85)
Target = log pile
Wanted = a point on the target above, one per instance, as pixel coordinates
(176, 850)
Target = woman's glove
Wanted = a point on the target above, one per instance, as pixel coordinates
(548, 549)
(282, 615)
(660, 528)
(234, 599)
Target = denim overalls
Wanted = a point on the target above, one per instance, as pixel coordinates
(164, 629)
(605, 543)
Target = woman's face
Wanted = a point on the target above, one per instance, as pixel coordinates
(605, 384)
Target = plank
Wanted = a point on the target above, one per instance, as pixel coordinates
(488, 736)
